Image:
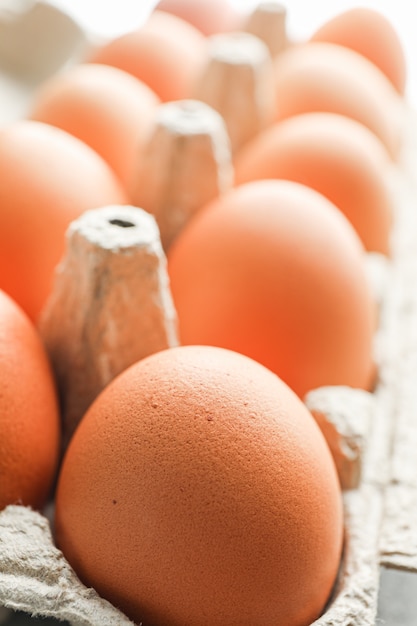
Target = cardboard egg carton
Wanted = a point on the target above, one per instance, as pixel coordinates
(36, 39)
(372, 436)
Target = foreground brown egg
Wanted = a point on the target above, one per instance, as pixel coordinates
(275, 271)
(325, 77)
(166, 54)
(199, 490)
(371, 34)
(337, 157)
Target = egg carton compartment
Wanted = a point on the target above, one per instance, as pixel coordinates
(36, 578)
(373, 436)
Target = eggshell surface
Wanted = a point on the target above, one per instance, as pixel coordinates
(275, 271)
(336, 156)
(47, 179)
(107, 108)
(29, 419)
(166, 53)
(371, 34)
(209, 16)
(325, 77)
(199, 490)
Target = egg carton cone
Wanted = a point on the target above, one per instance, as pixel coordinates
(186, 162)
(110, 307)
(237, 81)
(268, 22)
(372, 436)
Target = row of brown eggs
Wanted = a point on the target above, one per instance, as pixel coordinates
(198, 489)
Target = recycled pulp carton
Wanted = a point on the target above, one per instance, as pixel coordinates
(373, 436)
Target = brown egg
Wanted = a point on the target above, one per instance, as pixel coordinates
(330, 78)
(107, 108)
(47, 179)
(29, 417)
(166, 54)
(371, 34)
(334, 155)
(199, 490)
(275, 271)
(209, 16)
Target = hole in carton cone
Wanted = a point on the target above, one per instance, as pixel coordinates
(121, 223)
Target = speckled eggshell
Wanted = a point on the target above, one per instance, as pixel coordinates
(199, 490)
(337, 157)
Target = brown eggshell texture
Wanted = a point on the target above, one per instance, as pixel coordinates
(371, 34)
(166, 53)
(199, 490)
(108, 109)
(336, 156)
(330, 78)
(275, 271)
(47, 179)
(29, 419)
(209, 16)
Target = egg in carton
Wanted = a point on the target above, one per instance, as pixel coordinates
(370, 435)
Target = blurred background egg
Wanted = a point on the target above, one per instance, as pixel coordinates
(29, 418)
(371, 34)
(198, 489)
(166, 53)
(325, 77)
(209, 16)
(275, 271)
(47, 179)
(337, 157)
(108, 109)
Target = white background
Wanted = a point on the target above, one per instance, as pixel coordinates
(112, 17)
